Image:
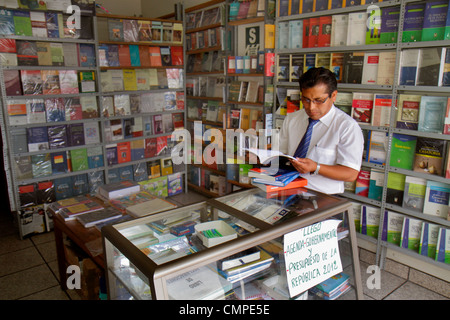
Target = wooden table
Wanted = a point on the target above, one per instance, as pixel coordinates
(81, 236)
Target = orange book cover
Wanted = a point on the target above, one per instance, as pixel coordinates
(297, 183)
(123, 152)
(144, 56)
(124, 55)
(155, 56)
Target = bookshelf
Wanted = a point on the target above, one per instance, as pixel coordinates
(395, 90)
(61, 123)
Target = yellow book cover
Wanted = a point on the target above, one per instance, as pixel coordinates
(269, 36)
(129, 80)
(245, 119)
(166, 166)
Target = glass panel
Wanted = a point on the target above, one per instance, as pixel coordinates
(130, 283)
(275, 206)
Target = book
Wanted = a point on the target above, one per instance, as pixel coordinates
(430, 154)
(445, 79)
(435, 16)
(408, 111)
(370, 221)
(381, 113)
(429, 67)
(431, 113)
(239, 259)
(413, 22)
(370, 68)
(392, 227)
(282, 182)
(429, 239)
(115, 29)
(395, 188)
(386, 68)
(297, 183)
(22, 23)
(403, 149)
(95, 157)
(376, 183)
(90, 219)
(414, 193)
(17, 112)
(362, 106)
(79, 160)
(339, 26)
(443, 247)
(389, 25)
(362, 183)
(50, 82)
(37, 138)
(313, 37)
(333, 287)
(270, 175)
(324, 38)
(75, 133)
(268, 156)
(57, 136)
(41, 165)
(295, 32)
(410, 237)
(437, 198)
(31, 82)
(68, 82)
(409, 60)
(118, 189)
(86, 55)
(353, 62)
(356, 31)
(86, 81)
(151, 206)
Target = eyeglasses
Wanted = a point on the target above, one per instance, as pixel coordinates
(315, 101)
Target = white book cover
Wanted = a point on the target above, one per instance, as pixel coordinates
(295, 34)
(370, 221)
(411, 230)
(429, 239)
(339, 26)
(70, 52)
(122, 105)
(283, 35)
(356, 32)
(36, 111)
(370, 68)
(116, 80)
(381, 114)
(386, 68)
(436, 199)
(142, 79)
(91, 132)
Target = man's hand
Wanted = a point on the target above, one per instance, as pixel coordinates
(304, 165)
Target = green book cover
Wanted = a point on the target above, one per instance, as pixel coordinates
(434, 20)
(79, 159)
(395, 188)
(392, 227)
(411, 231)
(413, 22)
(370, 221)
(22, 23)
(414, 194)
(373, 27)
(403, 149)
(429, 239)
(389, 25)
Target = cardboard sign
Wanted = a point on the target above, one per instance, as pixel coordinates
(311, 255)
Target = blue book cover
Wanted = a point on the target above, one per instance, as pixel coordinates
(413, 22)
(175, 184)
(112, 55)
(239, 64)
(95, 180)
(55, 110)
(76, 134)
(335, 4)
(95, 157)
(6, 22)
(283, 9)
(321, 5)
(281, 183)
(80, 185)
(140, 172)
(295, 7)
(57, 137)
(308, 6)
(59, 162)
(134, 55)
(41, 165)
(63, 188)
(51, 19)
(111, 154)
(431, 113)
(113, 175)
(435, 17)
(86, 55)
(389, 24)
(37, 138)
(126, 173)
(443, 250)
(447, 26)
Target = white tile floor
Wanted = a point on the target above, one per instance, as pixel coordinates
(29, 269)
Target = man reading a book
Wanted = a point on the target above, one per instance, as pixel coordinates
(326, 142)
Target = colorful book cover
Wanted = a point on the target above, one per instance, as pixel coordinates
(410, 237)
(392, 227)
(389, 25)
(413, 22)
(362, 183)
(429, 239)
(370, 221)
(429, 157)
(95, 157)
(408, 111)
(435, 16)
(395, 188)
(403, 149)
(79, 160)
(376, 184)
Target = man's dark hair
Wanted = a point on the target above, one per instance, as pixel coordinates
(315, 76)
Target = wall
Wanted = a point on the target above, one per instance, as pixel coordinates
(124, 8)
(154, 8)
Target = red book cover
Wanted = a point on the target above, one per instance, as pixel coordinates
(123, 152)
(269, 64)
(180, 100)
(155, 56)
(12, 82)
(177, 56)
(362, 183)
(324, 31)
(144, 56)
(231, 64)
(305, 33)
(150, 148)
(8, 45)
(161, 145)
(124, 55)
(313, 32)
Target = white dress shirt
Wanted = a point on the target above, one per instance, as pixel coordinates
(337, 139)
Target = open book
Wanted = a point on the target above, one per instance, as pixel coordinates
(266, 156)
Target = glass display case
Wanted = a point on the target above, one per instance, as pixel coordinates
(229, 247)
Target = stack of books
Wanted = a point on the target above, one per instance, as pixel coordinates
(282, 179)
(333, 287)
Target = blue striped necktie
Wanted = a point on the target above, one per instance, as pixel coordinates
(303, 146)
